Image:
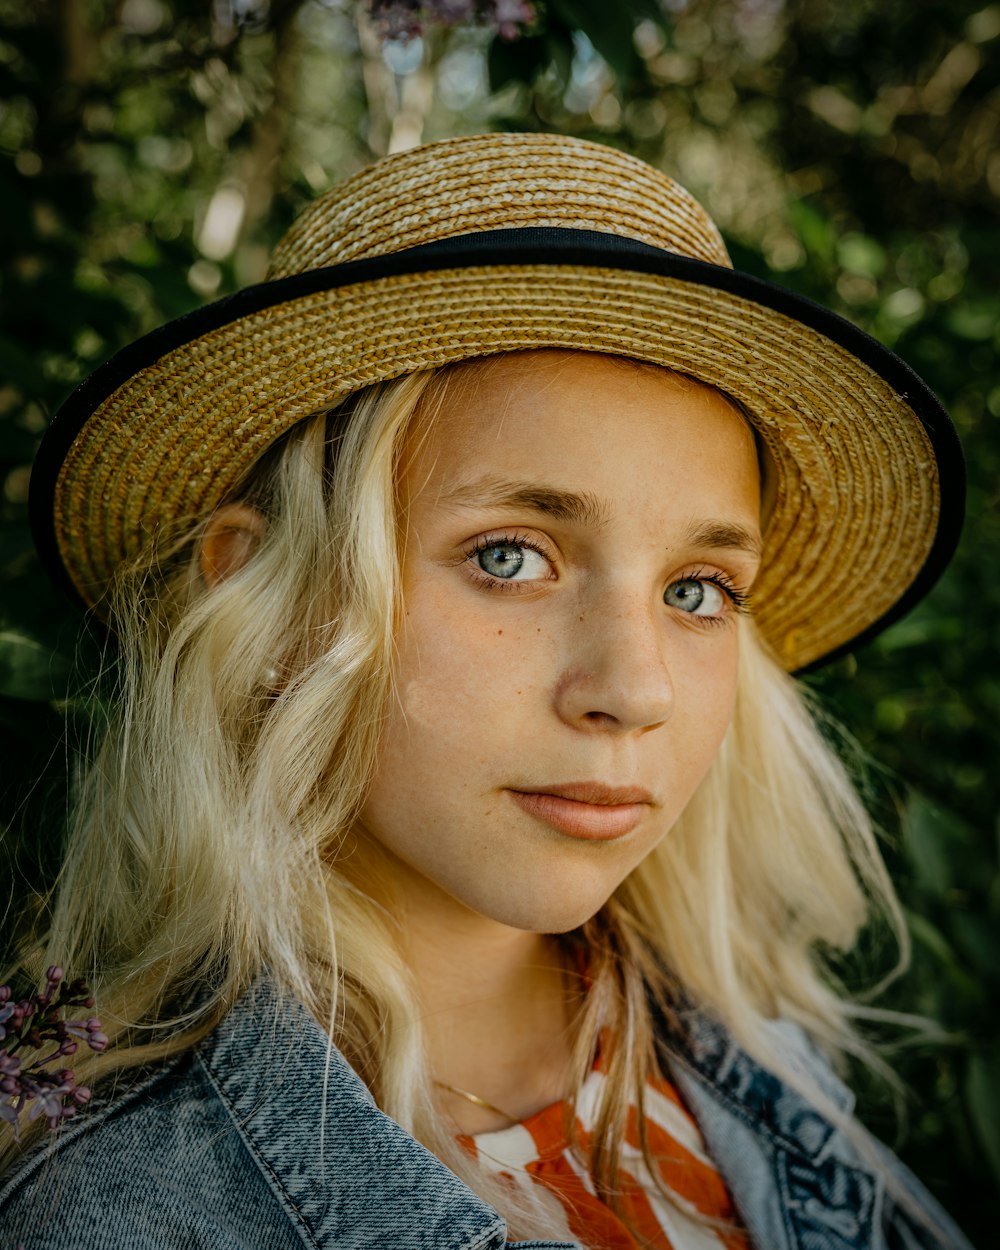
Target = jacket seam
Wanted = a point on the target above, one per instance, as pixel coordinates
(775, 1136)
(483, 1239)
(780, 1171)
(291, 1211)
(86, 1123)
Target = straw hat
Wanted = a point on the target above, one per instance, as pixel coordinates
(497, 243)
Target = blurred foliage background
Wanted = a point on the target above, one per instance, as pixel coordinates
(152, 152)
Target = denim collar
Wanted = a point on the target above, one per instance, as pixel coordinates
(266, 1055)
(344, 1172)
(754, 1093)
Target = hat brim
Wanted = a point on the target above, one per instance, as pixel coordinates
(869, 470)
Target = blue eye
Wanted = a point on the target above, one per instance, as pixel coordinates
(511, 560)
(695, 596)
(504, 560)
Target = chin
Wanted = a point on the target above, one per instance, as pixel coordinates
(548, 913)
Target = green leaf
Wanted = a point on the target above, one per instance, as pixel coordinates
(18, 367)
(932, 939)
(858, 254)
(982, 1093)
(516, 60)
(17, 445)
(15, 543)
(947, 985)
(813, 228)
(975, 319)
(29, 670)
(918, 629)
(979, 940)
(931, 837)
(609, 27)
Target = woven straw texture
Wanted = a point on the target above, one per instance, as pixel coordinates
(856, 504)
(509, 182)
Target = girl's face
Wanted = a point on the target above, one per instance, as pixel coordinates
(580, 535)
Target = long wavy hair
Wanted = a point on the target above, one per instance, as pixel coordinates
(215, 825)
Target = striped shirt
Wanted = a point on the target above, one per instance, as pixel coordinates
(536, 1152)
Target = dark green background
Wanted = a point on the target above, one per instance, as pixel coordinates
(869, 133)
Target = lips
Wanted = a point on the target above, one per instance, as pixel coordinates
(586, 809)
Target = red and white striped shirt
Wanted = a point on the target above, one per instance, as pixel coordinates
(536, 1152)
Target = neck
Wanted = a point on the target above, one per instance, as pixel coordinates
(498, 1008)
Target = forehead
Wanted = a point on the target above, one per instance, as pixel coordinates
(623, 431)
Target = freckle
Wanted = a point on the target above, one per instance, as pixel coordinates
(499, 632)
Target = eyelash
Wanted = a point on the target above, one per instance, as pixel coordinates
(738, 599)
(484, 543)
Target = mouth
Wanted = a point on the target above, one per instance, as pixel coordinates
(586, 809)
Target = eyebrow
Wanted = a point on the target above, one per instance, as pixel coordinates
(725, 534)
(587, 509)
(495, 492)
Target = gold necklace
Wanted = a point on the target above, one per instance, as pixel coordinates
(474, 1098)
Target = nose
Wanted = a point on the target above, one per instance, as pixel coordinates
(616, 676)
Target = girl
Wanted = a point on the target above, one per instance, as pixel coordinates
(458, 864)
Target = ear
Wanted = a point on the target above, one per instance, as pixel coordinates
(233, 532)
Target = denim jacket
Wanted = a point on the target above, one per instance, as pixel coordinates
(263, 1138)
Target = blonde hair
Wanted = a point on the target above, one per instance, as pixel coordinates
(214, 832)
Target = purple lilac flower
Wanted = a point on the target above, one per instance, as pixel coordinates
(405, 19)
(33, 1023)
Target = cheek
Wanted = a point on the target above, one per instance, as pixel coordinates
(463, 686)
(460, 650)
(706, 699)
